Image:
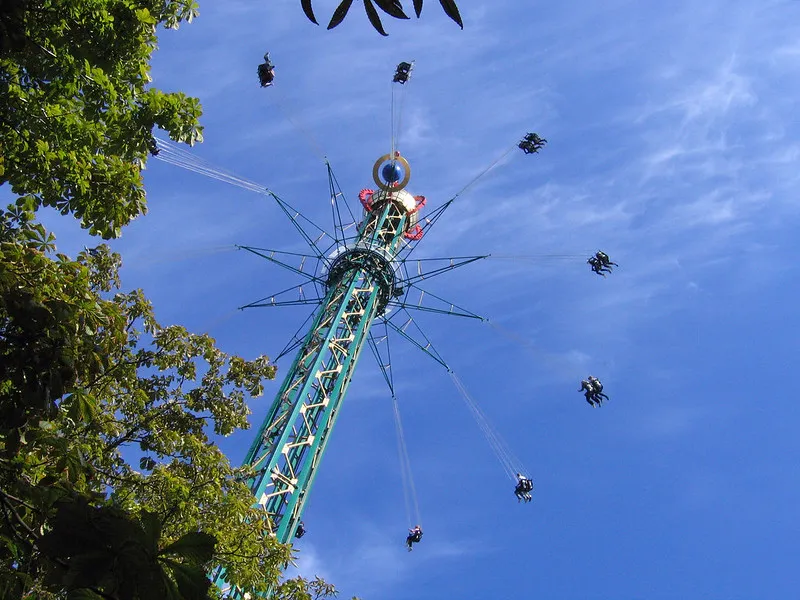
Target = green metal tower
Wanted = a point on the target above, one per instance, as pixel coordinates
(359, 279)
(363, 274)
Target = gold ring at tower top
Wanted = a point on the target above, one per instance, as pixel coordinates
(391, 187)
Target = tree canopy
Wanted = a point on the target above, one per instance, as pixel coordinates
(76, 112)
(110, 484)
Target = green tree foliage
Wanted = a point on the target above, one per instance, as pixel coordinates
(76, 113)
(393, 8)
(109, 484)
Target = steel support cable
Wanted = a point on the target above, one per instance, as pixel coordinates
(336, 214)
(403, 471)
(297, 339)
(436, 214)
(409, 478)
(386, 369)
(215, 175)
(197, 166)
(409, 490)
(484, 172)
(178, 157)
(508, 460)
(353, 219)
(491, 439)
(392, 118)
(403, 94)
(536, 257)
(397, 117)
(171, 152)
(511, 464)
(191, 163)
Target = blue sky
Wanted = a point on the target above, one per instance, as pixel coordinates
(673, 146)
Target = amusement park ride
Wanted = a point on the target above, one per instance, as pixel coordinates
(363, 277)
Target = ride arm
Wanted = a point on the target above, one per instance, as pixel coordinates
(426, 346)
(270, 300)
(295, 216)
(385, 363)
(270, 256)
(452, 309)
(452, 263)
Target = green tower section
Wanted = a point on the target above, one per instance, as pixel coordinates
(360, 279)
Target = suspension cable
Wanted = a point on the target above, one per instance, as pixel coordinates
(392, 118)
(171, 153)
(397, 117)
(433, 217)
(491, 166)
(508, 460)
(156, 258)
(409, 490)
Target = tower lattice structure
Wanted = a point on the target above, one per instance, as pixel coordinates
(361, 278)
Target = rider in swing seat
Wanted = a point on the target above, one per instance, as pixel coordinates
(414, 536)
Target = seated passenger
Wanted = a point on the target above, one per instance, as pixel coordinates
(597, 266)
(598, 395)
(605, 261)
(414, 536)
(266, 72)
(403, 72)
(523, 489)
(532, 143)
(589, 389)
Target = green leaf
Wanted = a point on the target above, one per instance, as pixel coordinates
(340, 13)
(192, 581)
(372, 14)
(82, 406)
(309, 11)
(196, 547)
(152, 529)
(392, 7)
(451, 10)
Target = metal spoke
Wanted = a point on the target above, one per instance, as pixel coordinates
(452, 309)
(427, 347)
(453, 263)
(385, 367)
(270, 256)
(270, 300)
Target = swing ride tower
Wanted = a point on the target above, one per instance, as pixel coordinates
(361, 278)
(365, 282)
